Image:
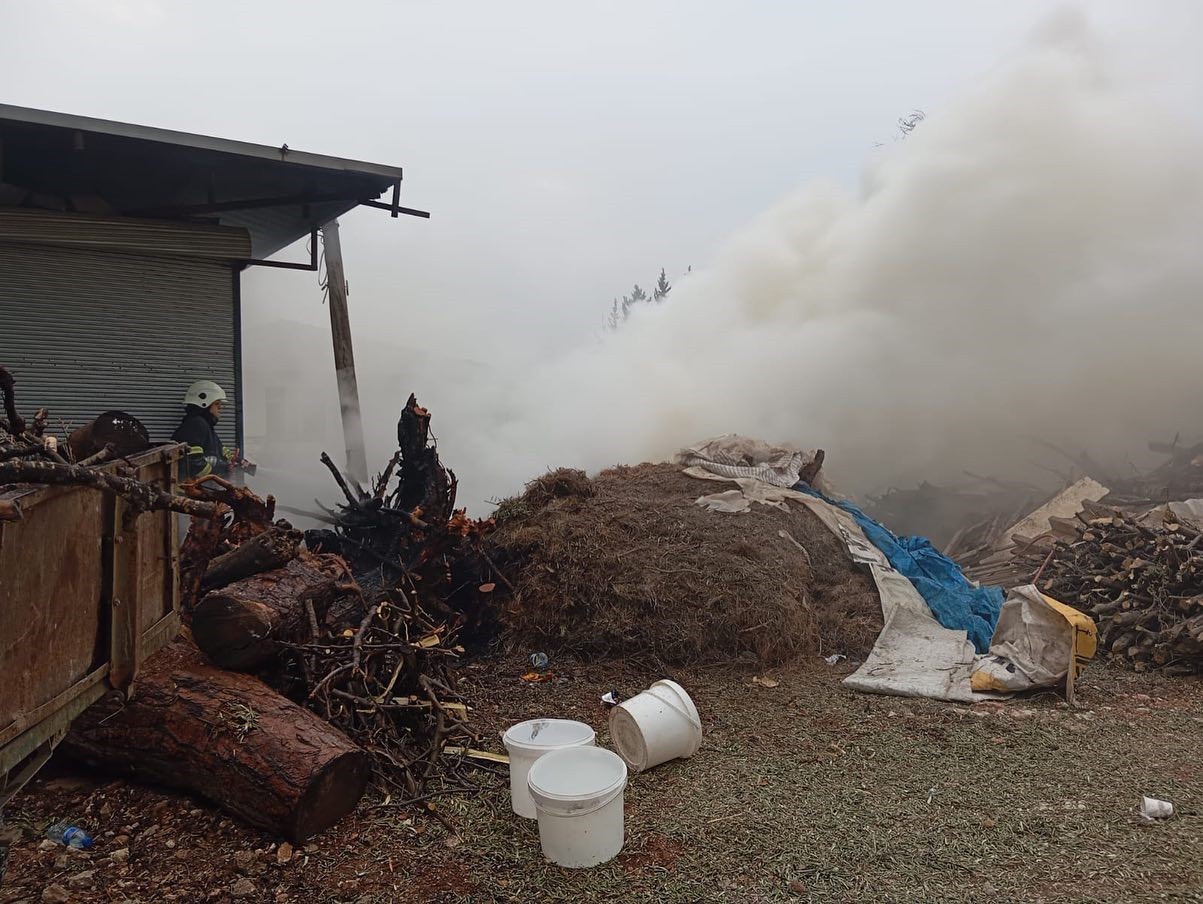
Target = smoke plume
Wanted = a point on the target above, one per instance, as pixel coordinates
(1024, 266)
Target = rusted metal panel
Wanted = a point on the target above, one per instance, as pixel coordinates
(82, 602)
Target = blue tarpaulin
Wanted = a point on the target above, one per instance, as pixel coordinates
(954, 601)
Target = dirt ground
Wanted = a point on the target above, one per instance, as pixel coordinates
(801, 792)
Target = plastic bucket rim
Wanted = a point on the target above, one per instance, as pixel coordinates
(511, 743)
(601, 803)
(606, 794)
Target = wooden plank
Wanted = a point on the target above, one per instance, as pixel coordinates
(123, 601)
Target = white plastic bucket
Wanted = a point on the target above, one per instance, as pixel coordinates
(655, 726)
(578, 795)
(527, 741)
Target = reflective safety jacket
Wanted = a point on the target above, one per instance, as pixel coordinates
(205, 453)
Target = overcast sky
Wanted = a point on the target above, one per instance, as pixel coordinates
(564, 149)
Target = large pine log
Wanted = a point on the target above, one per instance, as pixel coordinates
(229, 738)
(240, 625)
(267, 551)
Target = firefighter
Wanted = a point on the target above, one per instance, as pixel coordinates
(198, 430)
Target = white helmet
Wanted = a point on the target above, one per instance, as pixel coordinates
(204, 393)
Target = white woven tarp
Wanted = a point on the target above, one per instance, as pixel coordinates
(734, 456)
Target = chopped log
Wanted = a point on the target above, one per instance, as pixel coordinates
(241, 625)
(229, 738)
(268, 551)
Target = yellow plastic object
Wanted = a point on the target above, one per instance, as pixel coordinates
(1086, 633)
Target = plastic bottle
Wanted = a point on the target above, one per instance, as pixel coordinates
(70, 835)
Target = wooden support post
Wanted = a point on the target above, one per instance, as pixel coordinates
(344, 355)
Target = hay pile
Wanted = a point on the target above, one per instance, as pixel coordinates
(627, 565)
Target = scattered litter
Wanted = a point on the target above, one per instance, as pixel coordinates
(539, 661)
(610, 698)
(538, 677)
(70, 835)
(765, 682)
(1151, 808)
(834, 658)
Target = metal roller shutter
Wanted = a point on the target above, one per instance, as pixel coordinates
(88, 331)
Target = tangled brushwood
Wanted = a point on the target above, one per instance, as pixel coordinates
(364, 625)
(422, 581)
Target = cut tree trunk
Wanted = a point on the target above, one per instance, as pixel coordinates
(267, 551)
(229, 738)
(240, 626)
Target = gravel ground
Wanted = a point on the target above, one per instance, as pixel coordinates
(801, 792)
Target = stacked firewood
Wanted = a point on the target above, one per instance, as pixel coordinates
(1141, 579)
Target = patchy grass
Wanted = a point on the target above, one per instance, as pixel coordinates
(801, 792)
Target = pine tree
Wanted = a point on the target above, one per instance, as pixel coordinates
(613, 319)
(663, 287)
(637, 296)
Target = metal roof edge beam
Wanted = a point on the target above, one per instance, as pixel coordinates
(290, 265)
(187, 210)
(396, 209)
